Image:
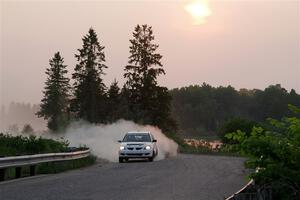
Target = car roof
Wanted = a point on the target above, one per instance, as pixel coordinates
(137, 132)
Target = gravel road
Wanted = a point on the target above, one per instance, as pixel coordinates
(185, 177)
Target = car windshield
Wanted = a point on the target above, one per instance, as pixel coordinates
(137, 138)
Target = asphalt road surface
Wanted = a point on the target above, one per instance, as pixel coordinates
(185, 177)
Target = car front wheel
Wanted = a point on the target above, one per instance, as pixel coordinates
(150, 159)
(120, 160)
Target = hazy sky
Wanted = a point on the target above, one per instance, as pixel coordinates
(247, 44)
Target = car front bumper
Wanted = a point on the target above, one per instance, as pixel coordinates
(136, 153)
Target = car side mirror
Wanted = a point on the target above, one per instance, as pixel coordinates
(154, 140)
(119, 141)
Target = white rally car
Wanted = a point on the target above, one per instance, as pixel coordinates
(138, 145)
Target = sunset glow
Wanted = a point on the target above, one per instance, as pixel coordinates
(218, 42)
(199, 10)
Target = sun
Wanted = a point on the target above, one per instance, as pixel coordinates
(199, 9)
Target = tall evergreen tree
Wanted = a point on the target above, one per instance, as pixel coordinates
(148, 102)
(114, 100)
(89, 89)
(55, 104)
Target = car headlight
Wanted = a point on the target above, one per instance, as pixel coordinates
(147, 147)
(122, 147)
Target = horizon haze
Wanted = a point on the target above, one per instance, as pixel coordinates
(245, 44)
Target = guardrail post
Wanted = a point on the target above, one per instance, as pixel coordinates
(18, 172)
(32, 170)
(2, 174)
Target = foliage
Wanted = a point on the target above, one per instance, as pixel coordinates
(23, 145)
(236, 125)
(114, 102)
(203, 110)
(27, 129)
(141, 99)
(89, 89)
(55, 103)
(148, 103)
(275, 153)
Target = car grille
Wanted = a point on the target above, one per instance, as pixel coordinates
(134, 154)
(136, 148)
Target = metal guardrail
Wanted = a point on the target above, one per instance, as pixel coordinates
(232, 197)
(16, 161)
(252, 192)
(33, 160)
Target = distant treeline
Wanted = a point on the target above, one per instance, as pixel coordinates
(202, 110)
(198, 110)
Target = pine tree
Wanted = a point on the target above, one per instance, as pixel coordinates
(55, 103)
(27, 129)
(114, 100)
(148, 102)
(89, 89)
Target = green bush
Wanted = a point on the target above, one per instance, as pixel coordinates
(234, 125)
(23, 145)
(275, 153)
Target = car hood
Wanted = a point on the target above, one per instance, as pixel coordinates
(136, 143)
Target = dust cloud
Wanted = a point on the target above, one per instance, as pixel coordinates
(103, 139)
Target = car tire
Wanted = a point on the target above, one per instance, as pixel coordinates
(152, 158)
(120, 160)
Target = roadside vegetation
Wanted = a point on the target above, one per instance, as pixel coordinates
(274, 152)
(272, 149)
(27, 145)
